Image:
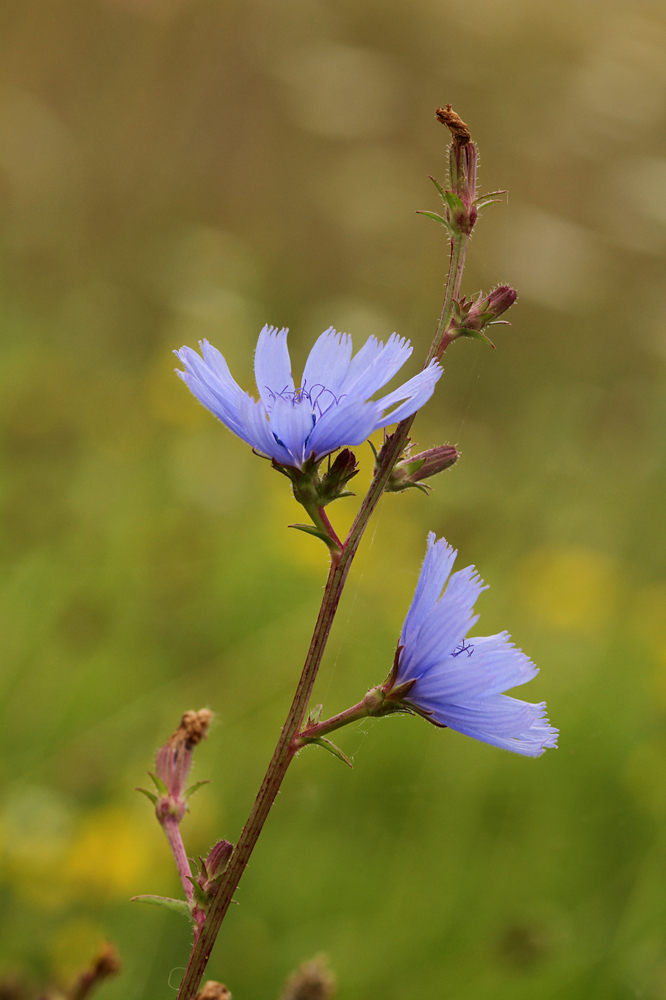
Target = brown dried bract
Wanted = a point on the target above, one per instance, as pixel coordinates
(213, 991)
(193, 729)
(455, 125)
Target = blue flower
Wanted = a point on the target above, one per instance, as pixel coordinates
(331, 408)
(457, 681)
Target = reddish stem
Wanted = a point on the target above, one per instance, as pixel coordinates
(288, 742)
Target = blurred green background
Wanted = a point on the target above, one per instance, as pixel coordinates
(174, 169)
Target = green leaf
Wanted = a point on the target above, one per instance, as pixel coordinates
(200, 895)
(195, 787)
(314, 715)
(477, 335)
(484, 199)
(482, 202)
(454, 202)
(159, 784)
(177, 905)
(374, 450)
(413, 466)
(437, 218)
(438, 186)
(149, 795)
(310, 529)
(321, 741)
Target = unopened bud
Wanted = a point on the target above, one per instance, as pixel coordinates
(218, 858)
(471, 318)
(412, 469)
(333, 482)
(488, 308)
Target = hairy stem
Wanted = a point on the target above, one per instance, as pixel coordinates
(289, 741)
(441, 341)
(335, 722)
(173, 835)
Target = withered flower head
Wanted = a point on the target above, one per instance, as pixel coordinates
(313, 980)
(455, 124)
(213, 991)
(174, 759)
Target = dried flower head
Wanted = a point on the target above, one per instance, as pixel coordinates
(313, 980)
(105, 964)
(213, 991)
(174, 760)
(454, 123)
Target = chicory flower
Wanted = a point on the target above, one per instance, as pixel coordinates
(331, 408)
(458, 681)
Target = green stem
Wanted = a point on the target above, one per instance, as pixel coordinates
(442, 339)
(288, 742)
(335, 722)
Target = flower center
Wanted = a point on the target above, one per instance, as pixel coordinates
(317, 396)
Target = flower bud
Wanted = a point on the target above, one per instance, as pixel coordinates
(414, 468)
(471, 318)
(218, 858)
(488, 308)
(333, 482)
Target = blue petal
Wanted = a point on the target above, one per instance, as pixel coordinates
(435, 571)
(375, 365)
(327, 364)
(257, 431)
(218, 397)
(361, 362)
(479, 668)
(503, 722)
(291, 423)
(349, 423)
(444, 626)
(219, 367)
(412, 395)
(272, 367)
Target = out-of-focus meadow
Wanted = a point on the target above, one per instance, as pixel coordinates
(179, 169)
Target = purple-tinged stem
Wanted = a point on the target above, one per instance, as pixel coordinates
(172, 830)
(330, 530)
(289, 741)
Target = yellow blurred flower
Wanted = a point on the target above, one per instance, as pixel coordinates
(573, 589)
(109, 854)
(73, 947)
